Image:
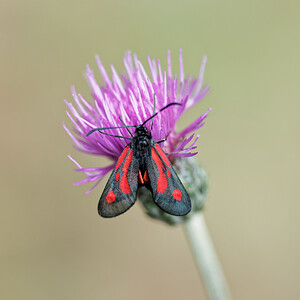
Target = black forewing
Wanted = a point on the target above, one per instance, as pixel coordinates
(120, 191)
(167, 190)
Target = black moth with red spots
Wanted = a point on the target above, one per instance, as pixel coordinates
(143, 163)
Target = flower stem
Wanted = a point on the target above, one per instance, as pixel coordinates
(206, 258)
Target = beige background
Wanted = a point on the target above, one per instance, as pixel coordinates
(53, 243)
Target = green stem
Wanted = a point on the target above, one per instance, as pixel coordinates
(206, 258)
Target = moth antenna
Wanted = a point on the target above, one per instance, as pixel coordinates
(97, 129)
(170, 104)
(117, 136)
(126, 127)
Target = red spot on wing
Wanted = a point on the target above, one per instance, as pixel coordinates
(146, 178)
(117, 176)
(169, 173)
(141, 180)
(111, 197)
(162, 179)
(121, 158)
(124, 185)
(163, 155)
(177, 195)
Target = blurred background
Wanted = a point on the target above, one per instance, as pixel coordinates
(53, 243)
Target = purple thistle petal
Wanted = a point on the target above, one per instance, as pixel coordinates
(179, 150)
(181, 67)
(184, 143)
(129, 72)
(77, 128)
(169, 65)
(87, 105)
(165, 89)
(159, 72)
(75, 97)
(96, 91)
(199, 97)
(87, 171)
(72, 136)
(141, 104)
(201, 75)
(182, 154)
(94, 186)
(117, 80)
(192, 127)
(93, 174)
(153, 69)
(103, 72)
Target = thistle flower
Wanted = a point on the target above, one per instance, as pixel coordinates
(130, 97)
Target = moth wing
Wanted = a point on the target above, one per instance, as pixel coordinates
(167, 190)
(120, 191)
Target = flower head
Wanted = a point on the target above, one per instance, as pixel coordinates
(133, 97)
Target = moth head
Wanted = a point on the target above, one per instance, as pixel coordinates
(141, 130)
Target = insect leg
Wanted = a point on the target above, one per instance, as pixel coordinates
(164, 138)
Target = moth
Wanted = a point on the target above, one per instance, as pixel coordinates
(142, 163)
